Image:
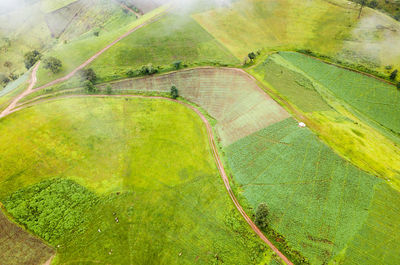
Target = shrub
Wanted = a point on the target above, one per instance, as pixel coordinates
(148, 70)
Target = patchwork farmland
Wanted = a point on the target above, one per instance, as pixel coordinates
(257, 132)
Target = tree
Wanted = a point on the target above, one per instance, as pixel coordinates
(89, 74)
(362, 3)
(252, 56)
(30, 58)
(262, 216)
(174, 92)
(177, 64)
(89, 86)
(7, 64)
(53, 64)
(393, 75)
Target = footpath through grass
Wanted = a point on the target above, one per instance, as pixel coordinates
(146, 162)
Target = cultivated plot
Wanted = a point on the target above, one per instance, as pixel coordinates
(318, 201)
(230, 96)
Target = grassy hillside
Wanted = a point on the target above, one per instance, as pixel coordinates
(86, 45)
(130, 159)
(173, 38)
(327, 27)
(318, 201)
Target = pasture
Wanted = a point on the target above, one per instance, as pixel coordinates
(317, 200)
(135, 159)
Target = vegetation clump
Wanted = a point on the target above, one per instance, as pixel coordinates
(262, 216)
(53, 64)
(30, 58)
(174, 92)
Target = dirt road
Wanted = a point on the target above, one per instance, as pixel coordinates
(214, 151)
(14, 102)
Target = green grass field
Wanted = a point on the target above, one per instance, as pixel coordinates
(173, 38)
(318, 201)
(172, 207)
(19, 247)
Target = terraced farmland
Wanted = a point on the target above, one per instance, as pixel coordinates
(130, 159)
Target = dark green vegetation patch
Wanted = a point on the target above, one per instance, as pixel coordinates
(51, 208)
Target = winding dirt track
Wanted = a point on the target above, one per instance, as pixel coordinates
(213, 146)
(13, 104)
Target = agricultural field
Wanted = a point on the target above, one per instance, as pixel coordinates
(19, 247)
(121, 159)
(318, 201)
(327, 96)
(229, 95)
(173, 38)
(375, 99)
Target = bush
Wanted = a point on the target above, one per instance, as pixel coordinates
(393, 75)
(398, 86)
(177, 64)
(148, 70)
